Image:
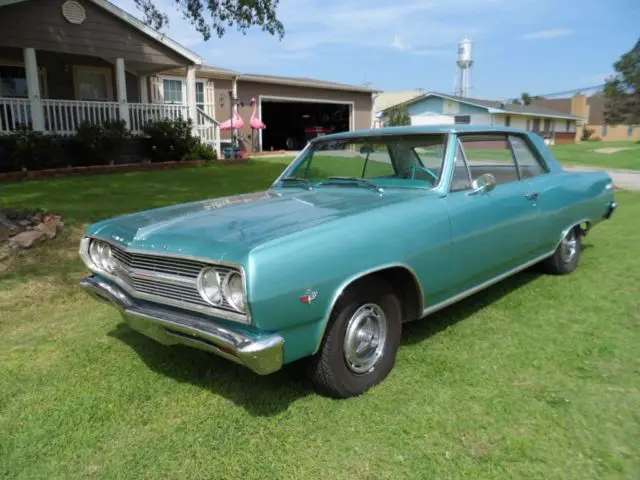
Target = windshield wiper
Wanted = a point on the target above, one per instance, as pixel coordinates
(358, 181)
(305, 182)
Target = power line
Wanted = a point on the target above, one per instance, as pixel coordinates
(566, 92)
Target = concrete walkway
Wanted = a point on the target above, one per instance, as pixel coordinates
(625, 179)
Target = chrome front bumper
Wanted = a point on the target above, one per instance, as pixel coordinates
(262, 354)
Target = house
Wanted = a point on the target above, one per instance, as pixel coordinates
(63, 62)
(434, 108)
(592, 107)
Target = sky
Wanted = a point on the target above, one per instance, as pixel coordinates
(537, 46)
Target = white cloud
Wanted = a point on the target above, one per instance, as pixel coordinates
(548, 34)
(400, 44)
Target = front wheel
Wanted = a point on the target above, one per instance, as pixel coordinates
(361, 341)
(567, 256)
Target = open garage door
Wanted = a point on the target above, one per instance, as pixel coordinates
(291, 123)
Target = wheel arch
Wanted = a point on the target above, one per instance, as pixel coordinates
(583, 225)
(402, 278)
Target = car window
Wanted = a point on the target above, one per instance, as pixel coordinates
(489, 154)
(460, 180)
(528, 164)
(386, 161)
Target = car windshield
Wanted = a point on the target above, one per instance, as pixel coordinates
(372, 162)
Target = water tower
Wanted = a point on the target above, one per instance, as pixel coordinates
(464, 63)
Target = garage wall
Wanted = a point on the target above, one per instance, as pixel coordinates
(362, 110)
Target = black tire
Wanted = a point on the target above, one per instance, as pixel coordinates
(560, 263)
(328, 368)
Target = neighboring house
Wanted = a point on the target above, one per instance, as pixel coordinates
(593, 108)
(438, 108)
(65, 62)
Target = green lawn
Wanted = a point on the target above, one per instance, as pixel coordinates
(583, 154)
(537, 377)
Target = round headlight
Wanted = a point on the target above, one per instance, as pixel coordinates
(233, 290)
(101, 255)
(209, 286)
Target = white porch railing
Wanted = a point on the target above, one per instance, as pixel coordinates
(142, 113)
(63, 117)
(14, 112)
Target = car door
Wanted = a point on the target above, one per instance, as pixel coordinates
(493, 231)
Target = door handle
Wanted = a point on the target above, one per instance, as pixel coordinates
(531, 196)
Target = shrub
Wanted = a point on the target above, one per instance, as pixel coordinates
(99, 144)
(595, 139)
(586, 133)
(203, 151)
(29, 150)
(170, 140)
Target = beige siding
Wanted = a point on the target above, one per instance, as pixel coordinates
(39, 24)
(615, 133)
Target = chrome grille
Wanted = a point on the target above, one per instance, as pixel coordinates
(165, 277)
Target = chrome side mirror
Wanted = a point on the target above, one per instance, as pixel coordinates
(483, 184)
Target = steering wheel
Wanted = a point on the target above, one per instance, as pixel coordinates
(412, 172)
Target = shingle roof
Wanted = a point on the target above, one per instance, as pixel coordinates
(514, 108)
(304, 81)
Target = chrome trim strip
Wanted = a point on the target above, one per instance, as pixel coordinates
(206, 310)
(362, 274)
(263, 355)
(163, 277)
(570, 227)
(483, 285)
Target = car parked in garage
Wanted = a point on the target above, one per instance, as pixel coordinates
(363, 232)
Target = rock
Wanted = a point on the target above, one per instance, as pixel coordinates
(24, 223)
(59, 222)
(8, 227)
(26, 239)
(48, 227)
(4, 253)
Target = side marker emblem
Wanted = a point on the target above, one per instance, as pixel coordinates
(309, 296)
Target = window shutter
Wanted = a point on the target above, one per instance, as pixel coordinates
(155, 89)
(209, 99)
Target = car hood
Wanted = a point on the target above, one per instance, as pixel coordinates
(209, 228)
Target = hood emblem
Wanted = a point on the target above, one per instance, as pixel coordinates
(309, 296)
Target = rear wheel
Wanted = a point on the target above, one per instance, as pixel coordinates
(567, 256)
(361, 341)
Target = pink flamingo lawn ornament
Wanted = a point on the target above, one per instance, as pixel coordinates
(234, 124)
(255, 123)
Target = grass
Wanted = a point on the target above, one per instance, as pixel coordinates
(584, 154)
(537, 377)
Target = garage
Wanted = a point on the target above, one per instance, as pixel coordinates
(293, 122)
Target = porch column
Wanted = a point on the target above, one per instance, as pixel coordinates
(192, 108)
(33, 89)
(121, 89)
(144, 91)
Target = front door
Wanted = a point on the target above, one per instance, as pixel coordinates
(493, 232)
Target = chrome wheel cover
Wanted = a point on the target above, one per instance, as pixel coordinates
(569, 246)
(365, 338)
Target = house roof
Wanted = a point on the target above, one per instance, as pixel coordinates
(139, 25)
(494, 106)
(385, 100)
(304, 82)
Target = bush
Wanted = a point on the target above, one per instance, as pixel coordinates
(29, 150)
(99, 144)
(586, 133)
(203, 152)
(170, 140)
(595, 139)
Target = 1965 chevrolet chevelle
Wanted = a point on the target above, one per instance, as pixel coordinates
(363, 231)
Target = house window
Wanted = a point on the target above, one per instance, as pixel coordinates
(528, 124)
(93, 83)
(630, 131)
(13, 81)
(462, 119)
(547, 125)
(172, 91)
(568, 125)
(604, 130)
(536, 124)
(507, 121)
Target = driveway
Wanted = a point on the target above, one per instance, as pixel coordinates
(626, 179)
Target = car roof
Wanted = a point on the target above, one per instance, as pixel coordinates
(417, 130)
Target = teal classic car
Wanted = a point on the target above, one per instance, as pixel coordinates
(362, 232)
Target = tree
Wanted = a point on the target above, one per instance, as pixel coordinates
(216, 15)
(622, 91)
(526, 98)
(398, 116)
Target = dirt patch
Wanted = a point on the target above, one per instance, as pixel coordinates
(610, 150)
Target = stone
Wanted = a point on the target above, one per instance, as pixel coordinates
(48, 227)
(4, 253)
(24, 223)
(26, 239)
